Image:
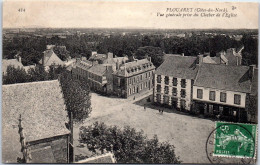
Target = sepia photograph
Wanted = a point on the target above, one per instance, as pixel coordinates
(140, 82)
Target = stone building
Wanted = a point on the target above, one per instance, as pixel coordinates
(79, 70)
(33, 123)
(98, 70)
(133, 78)
(223, 90)
(174, 80)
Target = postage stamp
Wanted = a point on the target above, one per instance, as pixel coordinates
(235, 140)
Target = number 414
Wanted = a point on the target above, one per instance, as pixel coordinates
(21, 9)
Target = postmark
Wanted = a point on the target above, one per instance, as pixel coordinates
(232, 143)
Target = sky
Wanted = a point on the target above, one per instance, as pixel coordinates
(125, 14)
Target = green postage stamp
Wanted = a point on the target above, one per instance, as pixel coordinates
(235, 140)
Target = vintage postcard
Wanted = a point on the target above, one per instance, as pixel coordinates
(129, 82)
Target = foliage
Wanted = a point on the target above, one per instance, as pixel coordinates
(76, 93)
(253, 107)
(19, 75)
(77, 97)
(128, 145)
(61, 52)
(15, 75)
(250, 52)
(31, 48)
(155, 53)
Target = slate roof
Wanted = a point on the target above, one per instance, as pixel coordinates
(209, 59)
(50, 57)
(84, 64)
(10, 62)
(179, 66)
(224, 77)
(105, 158)
(120, 60)
(42, 108)
(98, 69)
(134, 67)
(98, 57)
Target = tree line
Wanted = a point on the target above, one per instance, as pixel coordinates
(31, 48)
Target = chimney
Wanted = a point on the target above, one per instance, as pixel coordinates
(200, 59)
(149, 59)
(20, 59)
(251, 71)
(109, 55)
(93, 53)
(117, 64)
(182, 54)
(84, 58)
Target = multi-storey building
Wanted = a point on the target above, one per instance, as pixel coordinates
(100, 78)
(80, 68)
(97, 71)
(223, 90)
(204, 86)
(174, 80)
(133, 78)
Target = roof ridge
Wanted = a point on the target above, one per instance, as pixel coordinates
(225, 65)
(50, 56)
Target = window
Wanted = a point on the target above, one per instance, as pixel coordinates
(141, 87)
(183, 83)
(183, 104)
(237, 99)
(146, 84)
(174, 81)
(159, 78)
(210, 110)
(166, 90)
(130, 91)
(212, 95)
(159, 88)
(134, 79)
(165, 99)
(166, 80)
(129, 80)
(174, 91)
(146, 75)
(141, 77)
(183, 93)
(221, 109)
(137, 79)
(149, 74)
(223, 97)
(199, 93)
(158, 97)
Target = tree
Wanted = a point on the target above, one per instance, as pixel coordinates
(128, 145)
(15, 75)
(155, 53)
(61, 52)
(77, 97)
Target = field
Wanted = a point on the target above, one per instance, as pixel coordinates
(187, 133)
